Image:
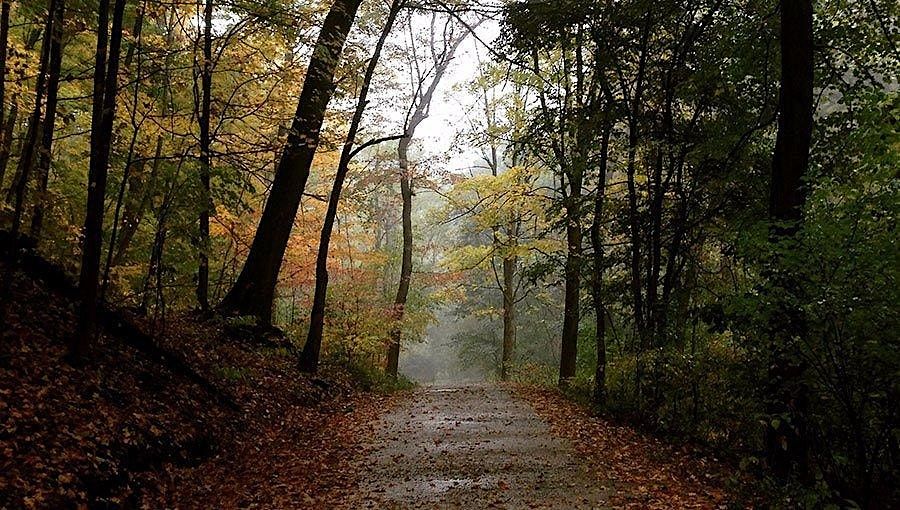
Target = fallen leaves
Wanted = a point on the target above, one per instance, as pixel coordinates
(132, 429)
(646, 472)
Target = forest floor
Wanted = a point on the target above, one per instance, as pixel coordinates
(181, 413)
(194, 413)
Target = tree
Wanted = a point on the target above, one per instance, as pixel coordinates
(49, 120)
(309, 360)
(597, 240)
(4, 44)
(425, 83)
(205, 159)
(502, 215)
(26, 160)
(554, 44)
(106, 78)
(254, 291)
(786, 442)
(502, 222)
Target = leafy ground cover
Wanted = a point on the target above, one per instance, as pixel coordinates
(646, 472)
(200, 414)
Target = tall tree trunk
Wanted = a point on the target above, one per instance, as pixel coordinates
(106, 73)
(154, 265)
(254, 291)
(6, 136)
(599, 262)
(635, 234)
(130, 164)
(634, 119)
(422, 101)
(572, 299)
(393, 360)
(205, 160)
(4, 44)
(509, 315)
(654, 247)
(136, 31)
(26, 160)
(309, 359)
(785, 439)
(49, 124)
(509, 261)
(33, 36)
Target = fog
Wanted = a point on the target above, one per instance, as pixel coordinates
(435, 359)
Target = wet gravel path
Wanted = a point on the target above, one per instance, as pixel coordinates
(470, 447)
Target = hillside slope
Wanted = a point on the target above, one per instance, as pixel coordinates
(178, 418)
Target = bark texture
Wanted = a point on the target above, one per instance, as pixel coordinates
(205, 159)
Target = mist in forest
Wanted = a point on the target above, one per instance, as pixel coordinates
(436, 358)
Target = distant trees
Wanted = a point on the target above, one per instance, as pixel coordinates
(501, 217)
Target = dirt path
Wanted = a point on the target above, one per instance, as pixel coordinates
(470, 447)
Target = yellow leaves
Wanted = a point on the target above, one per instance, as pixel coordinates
(491, 202)
(469, 257)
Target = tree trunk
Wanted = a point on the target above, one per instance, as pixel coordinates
(130, 166)
(4, 43)
(654, 248)
(309, 359)
(597, 281)
(136, 30)
(785, 439)
(792, 142)
(154, 266)
(105, 87)
(49, 124)
(634, 114)
(29, 147)
(6, 137)
(572, 300)
(393, 361)
(205, 160)
(31, 39)
(509, 316)
(419, 114)
(254, 291)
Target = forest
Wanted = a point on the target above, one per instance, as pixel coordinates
(245, 242)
